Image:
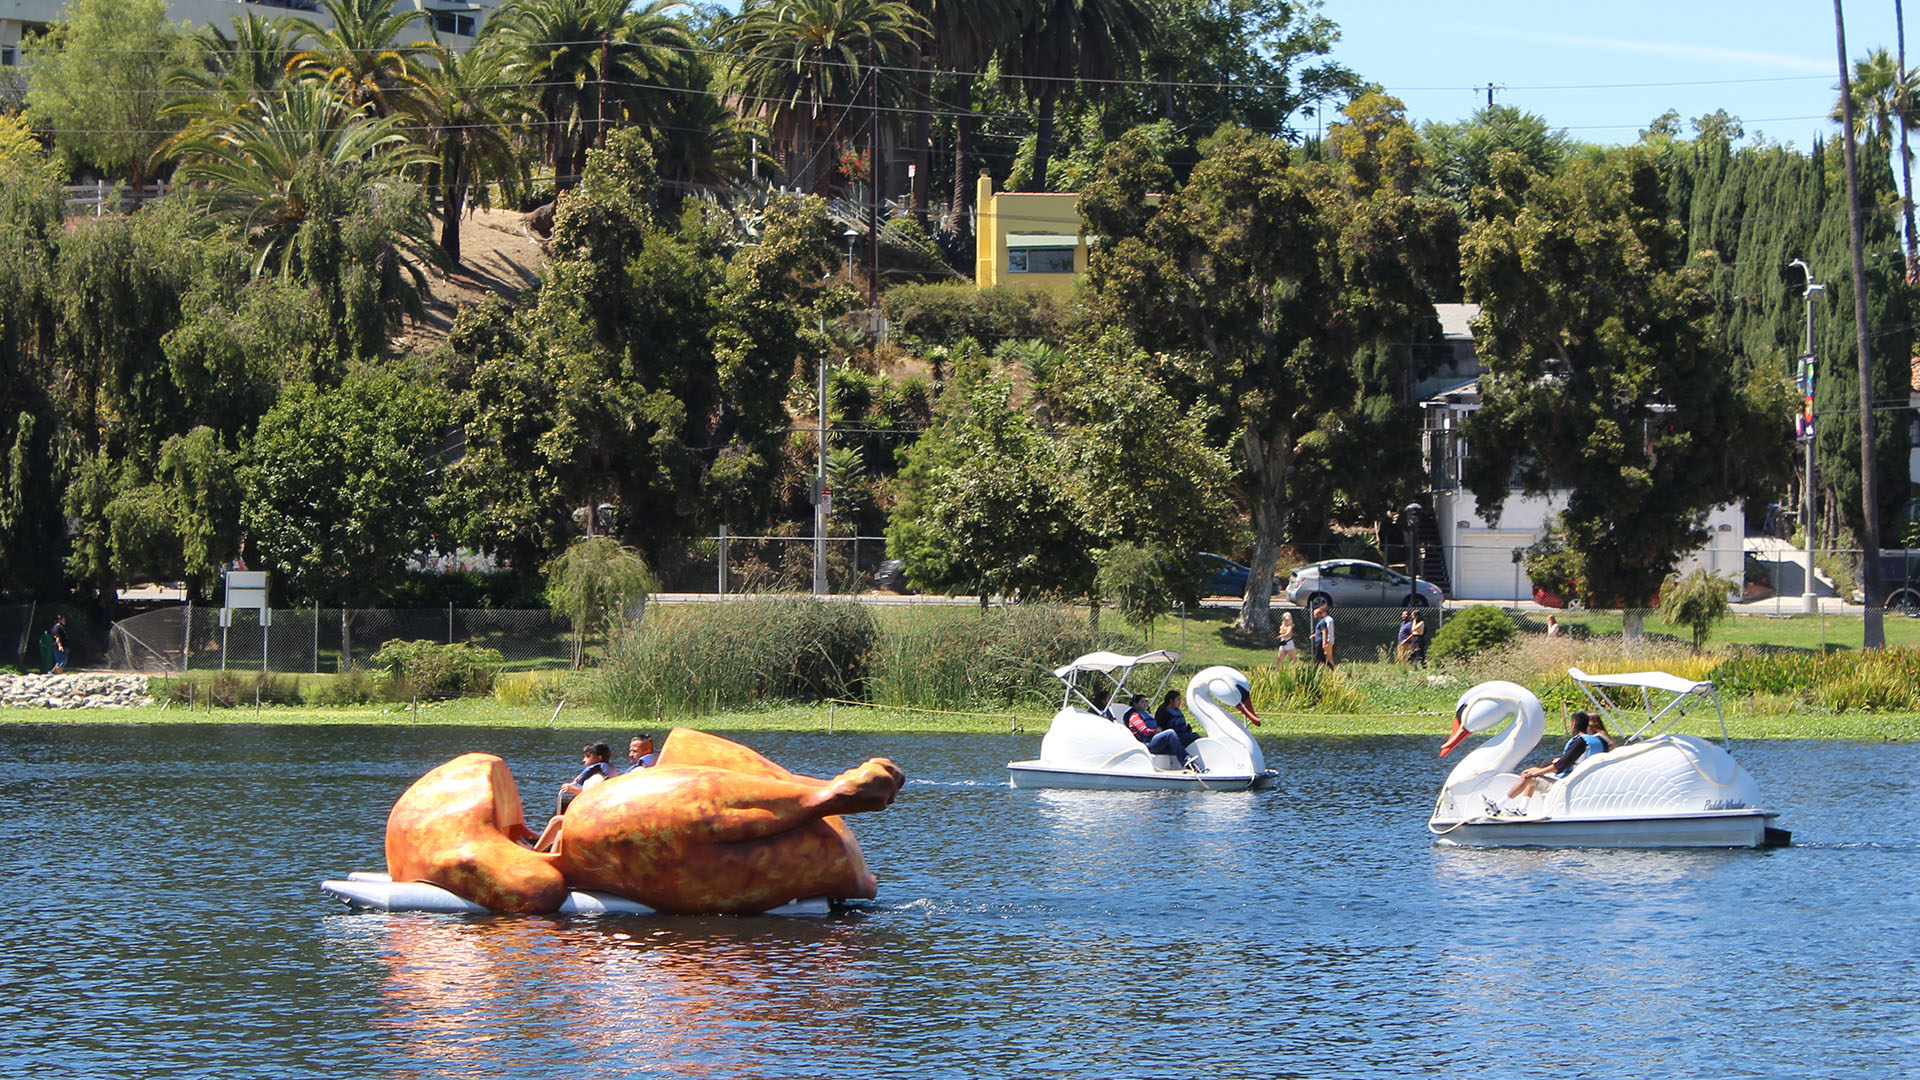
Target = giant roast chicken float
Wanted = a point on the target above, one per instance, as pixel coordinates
(712, 828)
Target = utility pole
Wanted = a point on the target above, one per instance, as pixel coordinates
(821, 493)
(1808, 599)
(873, 188)
(606, 123)
(1873, 632)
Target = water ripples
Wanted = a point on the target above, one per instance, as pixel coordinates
(161, 919)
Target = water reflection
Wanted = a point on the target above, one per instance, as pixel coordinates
(531, 995)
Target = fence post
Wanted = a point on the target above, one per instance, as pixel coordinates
(723, 562)
(186, 641)
(449, 622)
(316, 635)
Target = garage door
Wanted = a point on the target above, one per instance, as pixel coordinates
(1483, 567)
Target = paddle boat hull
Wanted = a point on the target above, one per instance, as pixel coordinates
(1712, 829)
(1039, 774)
(372, 891)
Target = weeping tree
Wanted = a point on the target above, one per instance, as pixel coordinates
(600, 584)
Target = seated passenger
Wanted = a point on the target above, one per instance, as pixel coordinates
(1139, 719)
(1175, 734)
(1553, 770)
(1599, 739)
(596, 766)
(1099, 703)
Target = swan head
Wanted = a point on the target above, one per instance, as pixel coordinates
(1227, 687)
(1480, 709)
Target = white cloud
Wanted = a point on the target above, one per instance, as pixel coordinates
(1670, 49)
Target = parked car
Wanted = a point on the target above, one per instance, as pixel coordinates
(1355, 583)
(1228, 578)
(892, 576)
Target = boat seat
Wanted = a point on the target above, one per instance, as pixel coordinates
(1167, 763)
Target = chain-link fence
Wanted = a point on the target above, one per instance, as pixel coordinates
(763, 564)
(190, 637)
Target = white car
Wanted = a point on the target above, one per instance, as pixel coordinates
(1354, 583)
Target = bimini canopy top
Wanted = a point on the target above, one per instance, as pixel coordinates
(1686, 694)
(1652, 680)
(1107, 662)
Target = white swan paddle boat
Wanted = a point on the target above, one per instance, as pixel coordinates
(1656, 789)
(1085, 748)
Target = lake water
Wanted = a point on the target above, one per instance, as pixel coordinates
(159, 916)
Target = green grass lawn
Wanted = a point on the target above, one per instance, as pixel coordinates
(1742, 723)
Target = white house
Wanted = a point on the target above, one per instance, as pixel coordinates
(1485, 562)
(455, 21)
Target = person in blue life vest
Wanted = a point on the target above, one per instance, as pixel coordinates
(1175, 735)
(1579, 744)
(596, 766)
(640, 753)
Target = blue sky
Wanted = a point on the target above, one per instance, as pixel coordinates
(1602, 71)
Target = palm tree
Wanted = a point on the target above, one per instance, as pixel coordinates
(699, 140)
(280, 161)
(470, 107)
(966, 34)
(1883, 97)
(587, 62)
(803, 63)
(1065, 42)
(360, 56)
(230, 71)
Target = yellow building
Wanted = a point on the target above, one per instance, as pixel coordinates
(1028, 241)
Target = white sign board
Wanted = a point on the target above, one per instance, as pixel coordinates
(246, 589)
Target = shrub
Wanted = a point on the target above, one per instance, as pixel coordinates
(1471, 630)
(1697, 602)
(433, 671)
(354, 686)
(230, 689)
(1004, 657)
(738, 653)
(944, 314)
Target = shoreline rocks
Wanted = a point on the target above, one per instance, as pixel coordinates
(74, 690)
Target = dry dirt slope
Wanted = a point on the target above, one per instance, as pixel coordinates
(498, 253)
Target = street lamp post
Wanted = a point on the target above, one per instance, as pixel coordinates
(1410, 517)
(850, 234)
(1808, 599)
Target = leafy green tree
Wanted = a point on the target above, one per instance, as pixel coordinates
(1607, 373)
(979, 509)
(99, 78)
(1697, 602)
(32, 211)
(599, 584)
(1462, 154)
(1135, 579)
(342, 485)
(652, 372)
(1273, 288)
